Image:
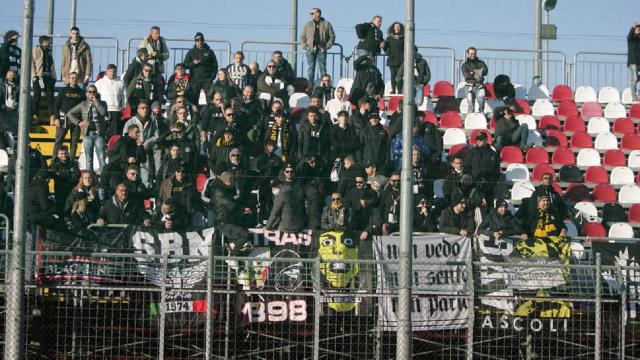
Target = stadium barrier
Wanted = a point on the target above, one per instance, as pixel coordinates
(612, 71)
(181, 294)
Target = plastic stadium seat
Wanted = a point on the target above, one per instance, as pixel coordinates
(575, 124)
(622, 175)
(581, 140)
(590, 109)
(542, 107)
(524, 107)
(623, 126)
(563, 156)
(568, 108)
(4, 161)
(542, 169)
(394, 101)
(201, 180)
(608, 95)
(557, 188)
(572, 230)
(604, 193)
(562, 93)
(453, 137)
(538, 92)
(521, 92)
(112, 141)
(537, 155)
(522, 190)
(426, 90)
(577, 192)
(593, 229)
(627, 98)
(596, 175)
(634, 213)
(431, 117)
(606, 141)
(585, 93)
(455, 149)
(527, 119)
(382, 105)
(588, 157)
(464, 107)
(299, 100)
(516, 172)
(346, 83)
(474, 133)
(630, 142)
(475, 121)
(614, 157)
(598, 125)
(549, 122)
(387, 89)
(442, 88)
(461, 90)
(634, 111)
(588, 209)
(511, 155)
(556, 138)
(489, 93)
(621, 230)
(451, 119)
(615, 110)
(634, 159)
(492, 122)
(570, 174)
(535, 138)
(629, 194)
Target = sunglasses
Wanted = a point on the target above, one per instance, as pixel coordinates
(234, 155)
(146, 70)
(336, 199)
(180, 171)
(270, 66)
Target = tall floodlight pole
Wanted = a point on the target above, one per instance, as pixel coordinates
(404, 349)
(546, 50)
(74, 7)
(294, 36)
(50, 17)
(14, 322)
(537, 42)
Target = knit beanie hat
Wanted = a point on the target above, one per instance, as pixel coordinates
(199, 36)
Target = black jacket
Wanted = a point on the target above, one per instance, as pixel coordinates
(286, 211)
(369, 37)
(335, 219)
(269, 166)
(10, 57)
(130, 213)
(394, 48)
(433, 139)
(67, 98)
(207, 68)
(368, 80)
(123, 149)
(65, 177)
(633, 45)
(495, 222)
(226, 207)
(451, 223)
(285, 71)
(468, 68)
(529, 224)
(39, 208)
(183, 84)
(505, 126)
(314, 140)
(358, 120)
(374, 145)
(451, 183)
(133, 70)
(423, 70)
(366, 219)
(483, 163)
(227, 90)
(344, 141)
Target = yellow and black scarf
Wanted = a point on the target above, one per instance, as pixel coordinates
(544, 227)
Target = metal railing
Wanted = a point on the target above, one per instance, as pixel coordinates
(335, 56)
(610, 72)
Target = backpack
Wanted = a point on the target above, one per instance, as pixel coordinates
(613, 213)
(570, 174)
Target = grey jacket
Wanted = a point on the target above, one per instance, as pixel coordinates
(327, 36)
(287, 211)
(80, 113)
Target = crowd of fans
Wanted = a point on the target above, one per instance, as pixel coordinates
(332, 166)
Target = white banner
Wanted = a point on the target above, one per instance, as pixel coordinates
(438, 300)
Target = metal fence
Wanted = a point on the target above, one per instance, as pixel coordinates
(598, 69)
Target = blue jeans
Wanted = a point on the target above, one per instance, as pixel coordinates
(633, 80)
(518, 137)
(93, 141)
(316, 55)
(474, 93)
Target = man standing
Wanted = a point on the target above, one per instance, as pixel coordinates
(375, 144)
(368, 82)
(633, 58)
(474, 70)
(203, 65)
(144, 88)
(65, 174)
(370, 38)
(76, 57)
(157, 49)
(43, 75)
(90, 116)
(70, 96)
(483, 163)
(9, 96)
(10, 54)
(111, 90)
(317, 37)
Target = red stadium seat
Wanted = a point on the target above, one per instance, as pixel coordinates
(442, 88)
(623, 126)
(630, 142)
(112, 141)
(430, 117)
(296, 114)
(634, 213)
(596, 175)
(125, 114)
(604, 193)
(201, 180)
(634, 111)
(575, 124)
(577, 192)
(581, 140)
(451, 119)
(524, 106)
(563, 156)
(614, 157)
(511, 155)
(567, 108)
(537, 155)
(556, 138)
(488, 90)
(426, 90)
(381, 104)
(562, 93)
(455, 149)
(474, 133)
(492, 123)
(557, 187)
(590, 109)
(549, 122)
(593, 229)
(638, 179)
(542, 169)
(394, 101)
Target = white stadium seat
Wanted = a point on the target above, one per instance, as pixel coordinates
(522, 190)
(627, 98)
(634, 159)
(521, 92)
(621, 175)
(461, 90)
(346, 83)
(629, 194)
(584, 94)
(453, 137)
(387, 88)
(4, 161)
(608, 95)
(621, 230)
(615, 110)
(588, 210)
(541, 108)
(606, 141)
(588, 157)
(538, 92)
(598, 125)
(527, 119)
(299, 100)
(516, 172)
(475, 121)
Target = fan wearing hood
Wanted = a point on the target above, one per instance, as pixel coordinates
(76, 57)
